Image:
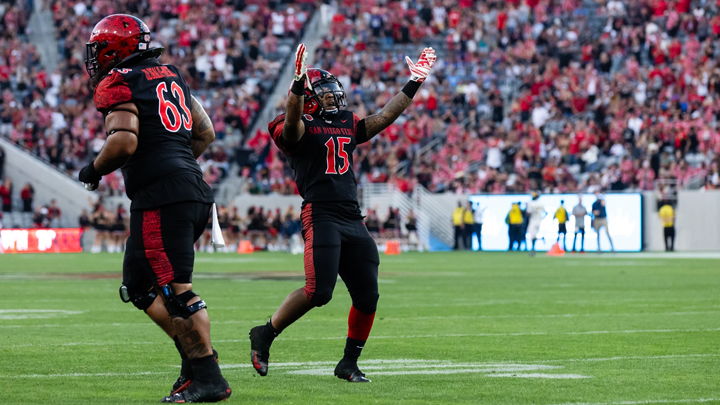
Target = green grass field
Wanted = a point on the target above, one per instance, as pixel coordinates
(468, 328)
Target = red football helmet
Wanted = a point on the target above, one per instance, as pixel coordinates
(320, 82)
(113, 40)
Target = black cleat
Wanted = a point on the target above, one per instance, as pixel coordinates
(259, 350)
(349, 371)
(199, 391)
(183, 382)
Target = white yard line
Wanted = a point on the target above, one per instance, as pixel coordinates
(512, 369)
(597, 332)
(340, 319)
(85, 375)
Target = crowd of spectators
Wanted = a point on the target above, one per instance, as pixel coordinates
(22, 202)
(265, 229)
(230, 52)
(556, 95)
(552, 95)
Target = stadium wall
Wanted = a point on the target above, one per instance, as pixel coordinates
(652, 226)
(697, 224)
(22, 167)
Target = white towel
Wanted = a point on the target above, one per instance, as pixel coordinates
(217, 237)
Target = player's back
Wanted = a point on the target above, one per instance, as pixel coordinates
(323, 159)
(163, 168)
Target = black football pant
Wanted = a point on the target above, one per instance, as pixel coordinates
(160, 249)
(669, 238)
(339, 246)
(458, 237)
(467, 236)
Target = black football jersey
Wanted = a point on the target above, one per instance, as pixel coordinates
(323, 159)
(163, 169)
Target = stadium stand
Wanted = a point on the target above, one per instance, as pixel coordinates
(229, 51)
(554, 95)
(560, 96)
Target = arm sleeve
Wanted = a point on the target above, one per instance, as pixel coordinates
(359, 128)
(112, 90)
(276, 129)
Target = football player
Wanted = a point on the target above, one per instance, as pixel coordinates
(319, 137)
(536, 213)
(156, 130)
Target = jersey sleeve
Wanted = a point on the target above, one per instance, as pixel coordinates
(112, 90)
(276, 129)
(359, 129)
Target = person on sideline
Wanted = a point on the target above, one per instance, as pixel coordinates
(457, 219)
(478, 216)
(600, 220)
(561, 215)
(579, 212)
(468, 226)
(667, 216)
(515, 221)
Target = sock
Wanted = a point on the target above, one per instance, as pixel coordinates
(206, 368)
(353, 348)
(186, 369)
(269, 331)
(359, 326)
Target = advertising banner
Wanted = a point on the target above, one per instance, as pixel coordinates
(624, 221)
(66, 240)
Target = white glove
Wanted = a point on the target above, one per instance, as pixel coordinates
(300, 62)
(419, 71)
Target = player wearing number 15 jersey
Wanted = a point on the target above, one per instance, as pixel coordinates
(155, 131)
(318, 139)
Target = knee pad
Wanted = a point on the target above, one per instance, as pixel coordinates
(142, 301)
(367, 302)
(320, 298)
(177, 305)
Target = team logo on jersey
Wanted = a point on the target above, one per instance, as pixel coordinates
(308, 117)
(123, 71)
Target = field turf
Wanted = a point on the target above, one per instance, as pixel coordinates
(451, 328)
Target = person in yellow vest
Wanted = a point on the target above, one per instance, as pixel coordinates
(458, 220)
(667, 216)
(562, 216)
(514, 219)
(468, 225)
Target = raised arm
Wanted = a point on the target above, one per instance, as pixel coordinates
(122, 126)
(203, 133)
(376, 123)
(294, 127)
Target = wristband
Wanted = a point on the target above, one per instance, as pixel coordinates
(89, 174)
(298, 88)
(411, 88)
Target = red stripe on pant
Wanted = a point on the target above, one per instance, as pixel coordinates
(307, 222)
(154, 249)
(359, 324)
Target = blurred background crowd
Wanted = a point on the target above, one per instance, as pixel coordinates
(550, 95)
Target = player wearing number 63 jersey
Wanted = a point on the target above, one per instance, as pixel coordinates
(318, 139)
(156, 130)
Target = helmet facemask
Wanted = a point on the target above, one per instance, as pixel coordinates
(92, 50)
(320, 90)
